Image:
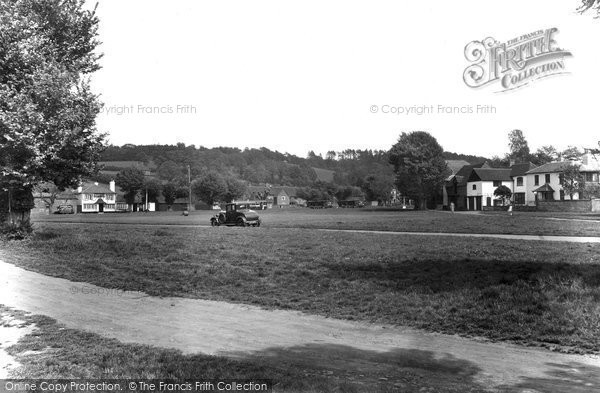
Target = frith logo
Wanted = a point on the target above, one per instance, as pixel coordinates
(516, 62)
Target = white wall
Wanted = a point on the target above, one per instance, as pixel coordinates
(485, 189)
(554, 183)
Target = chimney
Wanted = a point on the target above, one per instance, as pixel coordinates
(111, 185)
(587, 157)
(79, 189)
(512, 162)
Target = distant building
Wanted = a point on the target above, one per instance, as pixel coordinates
(97, 198)
(482, 183)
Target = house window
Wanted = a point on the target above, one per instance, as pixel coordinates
(519, 181)
(536, 180)
(562, 195)
(547, 178)
(89, 206)
(474, 186)
(488, 201)
(519, 198)
(591, 177)
(88, 197)
(497, 183)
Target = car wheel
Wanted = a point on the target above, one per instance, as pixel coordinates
(241, 222)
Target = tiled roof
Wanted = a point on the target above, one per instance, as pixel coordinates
(551, 167)
(92, 188)
(490, 174)
(456, 165)
(521, 168)
(462, 176)
(545, 188)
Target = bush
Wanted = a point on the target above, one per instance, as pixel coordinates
(16, 232)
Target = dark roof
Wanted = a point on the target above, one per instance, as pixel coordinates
(551, 167)
(521, 168)
(545, 188)
(290, 191)
(462, 176)
(490, 174)
(456, 165)
(92, 188)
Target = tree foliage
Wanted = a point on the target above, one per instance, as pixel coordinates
(519, 149)
(419, 165)
(571, 180)
(131, 181)
(504, 193)
(47, 110)
(210, 188)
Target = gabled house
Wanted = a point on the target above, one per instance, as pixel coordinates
(454, 166)
(482, 183)
(274, 195)
(455, 187)
(96, 198)
(544, 183)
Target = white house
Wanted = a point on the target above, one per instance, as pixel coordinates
(482, 183)
(543, 183)
(96, 198)
(518, 172)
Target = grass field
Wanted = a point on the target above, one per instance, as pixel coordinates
(409, 221)
(536, 293)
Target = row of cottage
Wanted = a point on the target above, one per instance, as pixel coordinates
(93, 197)
(471, 187)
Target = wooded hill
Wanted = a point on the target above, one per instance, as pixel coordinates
(367, 170)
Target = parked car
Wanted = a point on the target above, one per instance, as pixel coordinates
(351, 203)
(319, 204)
(238, 214)
(65, 209)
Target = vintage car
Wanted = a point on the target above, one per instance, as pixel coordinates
(64, 209)
(238, 214)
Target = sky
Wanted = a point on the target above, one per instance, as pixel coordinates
(295, 76)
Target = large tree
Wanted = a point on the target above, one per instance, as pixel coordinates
(47, 110)
(519, 149)
(419, 165)
(131, 181)
(210, 188)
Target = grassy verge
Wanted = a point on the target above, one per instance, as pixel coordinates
(53, 351)
(403, 221)
(538, 293)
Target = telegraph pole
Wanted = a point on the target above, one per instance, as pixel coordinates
(189, 190)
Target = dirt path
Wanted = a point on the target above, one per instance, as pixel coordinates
(547, 238)
(197, 326)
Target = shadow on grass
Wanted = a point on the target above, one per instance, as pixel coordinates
(444, 275)
(573, 378)
(408, 369)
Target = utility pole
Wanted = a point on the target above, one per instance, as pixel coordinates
(189, 190)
